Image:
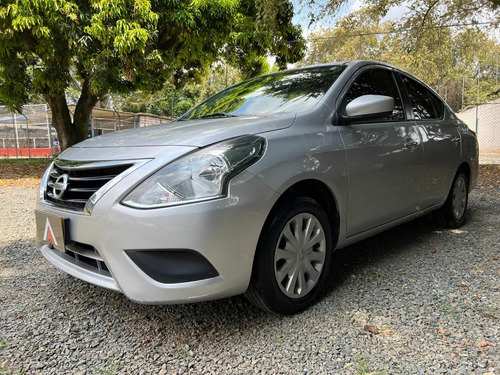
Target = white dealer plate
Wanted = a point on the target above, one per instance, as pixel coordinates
(50, 229)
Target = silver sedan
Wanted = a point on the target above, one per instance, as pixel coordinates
(252, 190)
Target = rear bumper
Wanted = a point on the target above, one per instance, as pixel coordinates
(224, 231)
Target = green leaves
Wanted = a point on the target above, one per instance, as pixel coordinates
(124, 45)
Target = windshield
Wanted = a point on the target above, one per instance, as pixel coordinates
(289, 91)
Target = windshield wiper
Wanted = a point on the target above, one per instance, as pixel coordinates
(218, 114)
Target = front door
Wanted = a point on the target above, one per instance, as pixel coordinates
(384, 158)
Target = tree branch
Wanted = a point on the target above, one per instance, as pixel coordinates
(428, 11)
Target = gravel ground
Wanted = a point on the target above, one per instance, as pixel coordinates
(413, 300)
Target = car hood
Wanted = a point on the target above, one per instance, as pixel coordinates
(194, 133)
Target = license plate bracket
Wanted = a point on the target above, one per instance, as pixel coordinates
(51, 229)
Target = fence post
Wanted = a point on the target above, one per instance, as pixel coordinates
(27, 135)
(119, 119)
(463, 89)
(496, 74)
(48, 126)
(439, 59)
(360, 47)
(477, 106)
(14, 120)
(92, 123)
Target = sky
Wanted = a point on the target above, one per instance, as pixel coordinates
(301, 18)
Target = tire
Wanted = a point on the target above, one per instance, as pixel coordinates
(288, 275)
(452, 213)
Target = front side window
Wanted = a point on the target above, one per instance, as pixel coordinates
(425, 104)
(285, 92)
(377, 82)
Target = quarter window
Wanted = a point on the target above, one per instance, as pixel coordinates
(425, 104)
(377, 82)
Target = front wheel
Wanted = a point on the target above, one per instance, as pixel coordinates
(293, 258)
(452, 214)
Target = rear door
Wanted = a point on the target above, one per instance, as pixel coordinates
(440, 139)
(384, 156)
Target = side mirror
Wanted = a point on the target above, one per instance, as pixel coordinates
(367, 107)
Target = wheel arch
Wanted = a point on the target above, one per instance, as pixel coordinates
(465, 168)
(321, 193)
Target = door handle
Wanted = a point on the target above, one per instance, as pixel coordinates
(411, 144)
(455, 139)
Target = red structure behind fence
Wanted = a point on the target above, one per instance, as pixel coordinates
(25, 152)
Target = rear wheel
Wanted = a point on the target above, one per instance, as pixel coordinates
(452, 214)
(293, 258)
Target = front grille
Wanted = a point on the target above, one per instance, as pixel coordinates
(70, 185)
(85, 256)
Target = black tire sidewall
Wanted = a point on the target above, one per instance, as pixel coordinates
(265, 278)
(446, 217)
(459, 221)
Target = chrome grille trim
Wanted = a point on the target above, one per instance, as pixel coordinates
(89, 188)
(75, 165)
(86, 251)
(96, 178)
(83, 190)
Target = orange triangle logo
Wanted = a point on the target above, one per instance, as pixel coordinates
(48, 236)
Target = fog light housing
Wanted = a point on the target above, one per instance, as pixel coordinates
(173, 266)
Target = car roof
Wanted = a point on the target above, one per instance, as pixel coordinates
(352, 63)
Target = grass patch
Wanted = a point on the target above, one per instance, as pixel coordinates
(112, 369)
(372, 275)
(363, 367)
(490, 166)
(447, 308)
(22, 172)
(32, 162)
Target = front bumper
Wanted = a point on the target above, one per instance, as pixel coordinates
(224, 231)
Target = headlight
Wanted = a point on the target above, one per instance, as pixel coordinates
(43, 184)
(201, 175)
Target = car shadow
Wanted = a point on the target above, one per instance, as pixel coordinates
(68, 296)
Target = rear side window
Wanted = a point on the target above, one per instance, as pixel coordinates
(377, 82)
(425, 104)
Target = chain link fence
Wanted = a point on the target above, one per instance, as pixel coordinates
(485, 120)
(31, 134)
(26, 134)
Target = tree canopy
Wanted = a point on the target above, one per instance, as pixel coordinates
(451, 58)
(420, 12)
(102, 46)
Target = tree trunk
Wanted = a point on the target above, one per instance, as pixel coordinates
(71, 132)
